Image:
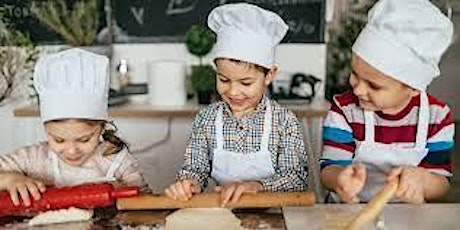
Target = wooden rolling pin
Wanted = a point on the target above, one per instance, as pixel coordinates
(206, 200)
(374, 207)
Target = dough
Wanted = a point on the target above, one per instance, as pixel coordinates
(61, 216)
(203, 218)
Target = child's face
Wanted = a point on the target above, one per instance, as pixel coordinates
(242, 85)
(377, 91)
(74, 140)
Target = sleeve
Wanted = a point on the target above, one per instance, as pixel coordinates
(17, 161)
(31, 161)
(440, 143)
(128, 173)
(338, 140)
(197, 162)
(290, 161)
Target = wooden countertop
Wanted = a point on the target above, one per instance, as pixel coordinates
(429, 216)
(138, 110)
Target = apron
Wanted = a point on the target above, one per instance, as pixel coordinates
(228, 166)
(380, 158)
(80, 175)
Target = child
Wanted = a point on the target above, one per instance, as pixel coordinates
(73, 92)
(247, 143)
(388, 127)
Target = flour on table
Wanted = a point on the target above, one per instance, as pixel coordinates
(61, 216)
(203, 218)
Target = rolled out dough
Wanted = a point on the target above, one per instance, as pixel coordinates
(61, 216)
(203, 218)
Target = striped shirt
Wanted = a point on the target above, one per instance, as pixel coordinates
(35, 161)
(344, 128)
(286, 144)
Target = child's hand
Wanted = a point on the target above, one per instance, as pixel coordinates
(410, 187)
(350, 182)
(183, 189)
(19, 185)
(234, 191)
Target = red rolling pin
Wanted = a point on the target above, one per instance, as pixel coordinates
(85, 196)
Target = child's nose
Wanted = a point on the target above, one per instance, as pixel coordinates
(233, 90)
(71, 148)
(359, 89)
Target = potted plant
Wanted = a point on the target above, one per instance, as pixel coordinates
(341, 40)
(77, 24)
(17, 59)
(199, 41)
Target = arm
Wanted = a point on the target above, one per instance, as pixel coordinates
(338, 146)
(438, 161)
(429, 181)
(128, 173)
(291, 160)
(13, 170)
(434, 186)
(197, 163)
(329, 176)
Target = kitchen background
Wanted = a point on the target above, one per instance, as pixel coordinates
(147, 46)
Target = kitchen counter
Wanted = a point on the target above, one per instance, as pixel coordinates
(111, 219)
(318, 217)
(394, 216)
(139, 110)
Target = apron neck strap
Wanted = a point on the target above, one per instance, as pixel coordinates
(266, 130)
(219, 124)
(56, 169)
(369, 128)
(116, 164)
(267, 125)
(422, 123)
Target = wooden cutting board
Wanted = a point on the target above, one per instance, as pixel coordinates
(207, 200)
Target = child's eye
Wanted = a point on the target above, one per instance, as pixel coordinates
(374, 87)
(223, 80)
(84, 140)
(59, 141)
(246, 83)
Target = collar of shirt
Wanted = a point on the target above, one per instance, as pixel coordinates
(251, 119)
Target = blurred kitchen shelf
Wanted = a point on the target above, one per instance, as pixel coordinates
(138, 110)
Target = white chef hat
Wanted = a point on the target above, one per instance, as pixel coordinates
(246, 32)
(405, 39)
(72, 84)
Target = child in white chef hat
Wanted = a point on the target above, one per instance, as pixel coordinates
(247, 143)
(388, 127)
(81, 145)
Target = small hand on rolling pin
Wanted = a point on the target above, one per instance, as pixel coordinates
(232, 192)
(350, 182)
(20, 186)
(183, 189)
(410, 188)
(84, 196)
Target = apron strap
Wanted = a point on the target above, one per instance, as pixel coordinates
(369, 129)
(218, 124)
(116, 164)
(423, 121)
(56, 169)
(267, 125)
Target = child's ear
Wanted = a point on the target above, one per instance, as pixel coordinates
(271, 74)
